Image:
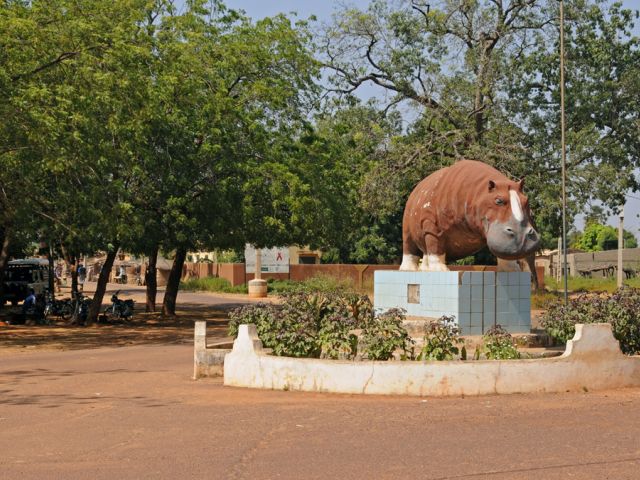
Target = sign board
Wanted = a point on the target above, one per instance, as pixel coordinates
(274, 260)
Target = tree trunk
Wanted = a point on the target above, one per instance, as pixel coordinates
(52, 280)
(531, 263)
(151, 280)
(72, 267)
(4, 258)
(173, 284)
(101, 286)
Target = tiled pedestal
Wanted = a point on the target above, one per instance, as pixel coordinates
(478, 300)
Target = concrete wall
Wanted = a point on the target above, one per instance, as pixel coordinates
(360, 275)
(592, 361)
(584, 261)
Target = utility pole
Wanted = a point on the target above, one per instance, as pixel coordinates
(564, 159)
(620, 247)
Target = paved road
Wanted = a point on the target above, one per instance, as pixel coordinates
(134, 413)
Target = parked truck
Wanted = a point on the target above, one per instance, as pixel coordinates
(25, 274)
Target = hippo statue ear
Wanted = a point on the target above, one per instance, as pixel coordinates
(492, 185)
(521, 184)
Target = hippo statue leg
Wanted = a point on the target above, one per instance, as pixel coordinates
(508, 266)
(434, 259)
(410, 253)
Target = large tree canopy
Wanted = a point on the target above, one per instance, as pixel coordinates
(482, 80)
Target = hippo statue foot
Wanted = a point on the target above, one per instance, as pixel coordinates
(409, 263)
(433, 263)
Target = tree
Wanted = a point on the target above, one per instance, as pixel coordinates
(482, 79)
(597, 237)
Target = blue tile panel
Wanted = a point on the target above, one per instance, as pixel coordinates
(477, 300)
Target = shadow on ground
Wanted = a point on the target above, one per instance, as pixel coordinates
(142, 329)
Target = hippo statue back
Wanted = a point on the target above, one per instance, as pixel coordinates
(458, 210)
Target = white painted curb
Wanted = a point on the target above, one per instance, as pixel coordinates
(592, 360)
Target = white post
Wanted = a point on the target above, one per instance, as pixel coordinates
(258, 274)
(620, 247)
(258, 287)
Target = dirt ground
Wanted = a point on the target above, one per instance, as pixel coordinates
(135, 413)
(119, 401)
(142, 329)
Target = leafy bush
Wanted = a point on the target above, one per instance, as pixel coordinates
(441, 339)
(212, 284)
(383, 334)
(319, 283)
(498, 344)
(308, 324)
(261, 315)
(621, 310)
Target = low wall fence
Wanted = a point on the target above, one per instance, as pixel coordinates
(592, 361)
(360, 275)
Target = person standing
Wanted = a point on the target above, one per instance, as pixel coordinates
(82, 276)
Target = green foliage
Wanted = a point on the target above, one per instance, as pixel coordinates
(541, 300)
(259, 314)
(621, 310)
(481, 81)
(322, 325)
(441, 339)
(318, 283)
(212, 284)
(498, 344)
(315, 325)
(597, 237)
(582, 284)
(384, 334)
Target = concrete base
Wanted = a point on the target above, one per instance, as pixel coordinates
(207, 362)
(478, 300)
(592, 361)
(257, 288)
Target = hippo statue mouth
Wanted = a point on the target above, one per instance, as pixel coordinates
(512, 240)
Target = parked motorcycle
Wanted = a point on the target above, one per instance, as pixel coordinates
(81, 305)
(57, 308)
(120, 309)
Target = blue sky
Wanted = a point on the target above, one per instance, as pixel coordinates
(323, 9)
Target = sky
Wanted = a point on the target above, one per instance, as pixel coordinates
(323, 9)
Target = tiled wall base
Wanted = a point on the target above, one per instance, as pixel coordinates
(478, 300)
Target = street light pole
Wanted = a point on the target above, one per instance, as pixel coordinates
(620, 247)
(564, 159)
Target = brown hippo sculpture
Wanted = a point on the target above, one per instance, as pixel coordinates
(457, 210)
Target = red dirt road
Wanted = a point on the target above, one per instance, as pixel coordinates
(134, 413)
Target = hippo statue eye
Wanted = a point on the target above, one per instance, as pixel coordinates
(499, 201)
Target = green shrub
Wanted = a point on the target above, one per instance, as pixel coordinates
(319, 283)
(621, 310)
(261, 315)
(212, 284)
(441, 339)
(315, 325)
(543, 300)
(383, 334)
(498, 344)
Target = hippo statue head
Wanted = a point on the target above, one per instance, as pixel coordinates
(507, 220)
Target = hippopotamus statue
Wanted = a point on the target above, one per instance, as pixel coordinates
(457, 210)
